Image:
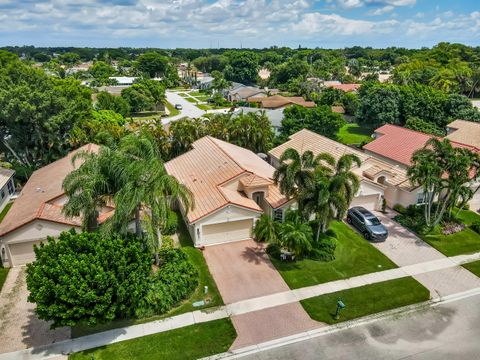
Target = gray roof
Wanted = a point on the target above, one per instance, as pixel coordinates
(275, 116)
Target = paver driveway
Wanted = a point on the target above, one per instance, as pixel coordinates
(405, 248)
(19, 326)
(242, 270)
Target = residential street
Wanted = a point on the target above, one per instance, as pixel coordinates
(189, 110)
(448, 331)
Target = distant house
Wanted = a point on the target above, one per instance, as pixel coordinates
(80, 67)
(343, 87)
(339, 109)
(123, 80)
(7, 186)
(275, 116)
(465, 132)
(205, 82)
(37, 212)
(231, 186)
(242, 93)
(278, 101)
(378, 178)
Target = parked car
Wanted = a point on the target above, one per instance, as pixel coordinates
(178, 107)
(367, 223)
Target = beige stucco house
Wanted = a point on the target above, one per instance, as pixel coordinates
(7, 187)
(378, 178)
(231, 186)
(37, 212)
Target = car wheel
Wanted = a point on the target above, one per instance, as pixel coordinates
(349, 219)
(366, 235)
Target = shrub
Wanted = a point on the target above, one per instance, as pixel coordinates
(324, 249)
(175, 280)
(167, 242)
(274, 250)
(384, 205)
(476, 227)
(170, 226)
(399, 208)
(331, 233)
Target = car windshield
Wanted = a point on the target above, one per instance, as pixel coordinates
(372, 221)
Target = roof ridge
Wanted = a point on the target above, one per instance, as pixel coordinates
(222, 150)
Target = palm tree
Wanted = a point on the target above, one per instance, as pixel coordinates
(90, 187)
(295, 171)
(321, 199)
(296, 236)
(147, 187)
(266, 229)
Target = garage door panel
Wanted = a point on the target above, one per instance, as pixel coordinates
(228, 231)
(22, 253)
(369, 202)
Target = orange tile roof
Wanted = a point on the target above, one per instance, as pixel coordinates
(345, 87)
(277, 101)
(44, 185)
(253, 180)
(208, 169)
(465, 132)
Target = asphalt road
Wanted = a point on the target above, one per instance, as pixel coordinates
(189, 109)
(447, 331)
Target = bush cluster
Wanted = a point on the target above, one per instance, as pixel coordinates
(170, 226)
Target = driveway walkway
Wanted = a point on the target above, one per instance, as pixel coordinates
(243, 271)
(405, 248)
(19, 326)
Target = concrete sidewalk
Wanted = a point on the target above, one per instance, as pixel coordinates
(234, 309)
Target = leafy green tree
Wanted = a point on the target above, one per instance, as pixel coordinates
(242, 67)
(379, 104)
(319, 119)
(296, 236)
(350, 103)
(104, 126)
(155, 88)
(330, 96)
(354, 67)
(184, 132)
(106, 101)
(69, 58)
(38, 114)
(138, 98)
(88, 279)
(293, 69)
(417, 124)
(153, 64)
(210, 63)
(101, 71)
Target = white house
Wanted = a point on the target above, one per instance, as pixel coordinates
(7, 186)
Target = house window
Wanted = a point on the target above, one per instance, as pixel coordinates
(258, 197)
(2, 194)
(381, 180)
(420, 199)
(278, 214)
(11, 189)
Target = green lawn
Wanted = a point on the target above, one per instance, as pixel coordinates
(171, 109)
(204, 107)
(354, 133)
(191, 342)
(147, 115)
(468, 217)
(212, 298)
(5, 210)
(463, 242)
(473, 267)
(192, 100)
(196, 93)
(366, 300)
(354, 256)
(3, 276)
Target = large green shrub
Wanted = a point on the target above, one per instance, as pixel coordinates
(171, 223)
(174, 281)
(476, 227)
(87, 278)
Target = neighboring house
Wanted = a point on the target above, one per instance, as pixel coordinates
(275, 116)
(205, 82)
(465, 132)
(396, 145)
(231, 187)
(343, 87)
(115, 90)
(378, 179)
(242, 93)
(278, 101)
(123, 80)
(7, 186)
(80, 67)
(339, 109)
(37, 212)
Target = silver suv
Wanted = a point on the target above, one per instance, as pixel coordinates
(367, 223)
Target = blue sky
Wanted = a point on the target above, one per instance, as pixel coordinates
(231, 23)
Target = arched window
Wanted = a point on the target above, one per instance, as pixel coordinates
(381, 179)
(258, 197)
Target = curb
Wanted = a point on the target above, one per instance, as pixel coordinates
(322, 331)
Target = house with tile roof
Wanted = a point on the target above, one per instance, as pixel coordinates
(343, 87)
(37, 211)
(231, 187)
(279, 101)
(378, 178)
(7, 187)
(465, 132)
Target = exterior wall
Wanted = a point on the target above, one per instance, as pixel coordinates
(395, 196)
(32, 232)
(224, 215)
(7, 195)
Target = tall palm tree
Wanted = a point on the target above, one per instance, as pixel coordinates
(295, 171)
(296, 236)
(266, 229)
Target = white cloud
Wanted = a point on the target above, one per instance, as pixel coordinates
(383, 10)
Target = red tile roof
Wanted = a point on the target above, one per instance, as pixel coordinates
(398, 143)
(345, 87)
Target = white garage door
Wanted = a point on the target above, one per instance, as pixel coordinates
(369, 202)
(228, 231)
(475, 202)
(22, 253)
